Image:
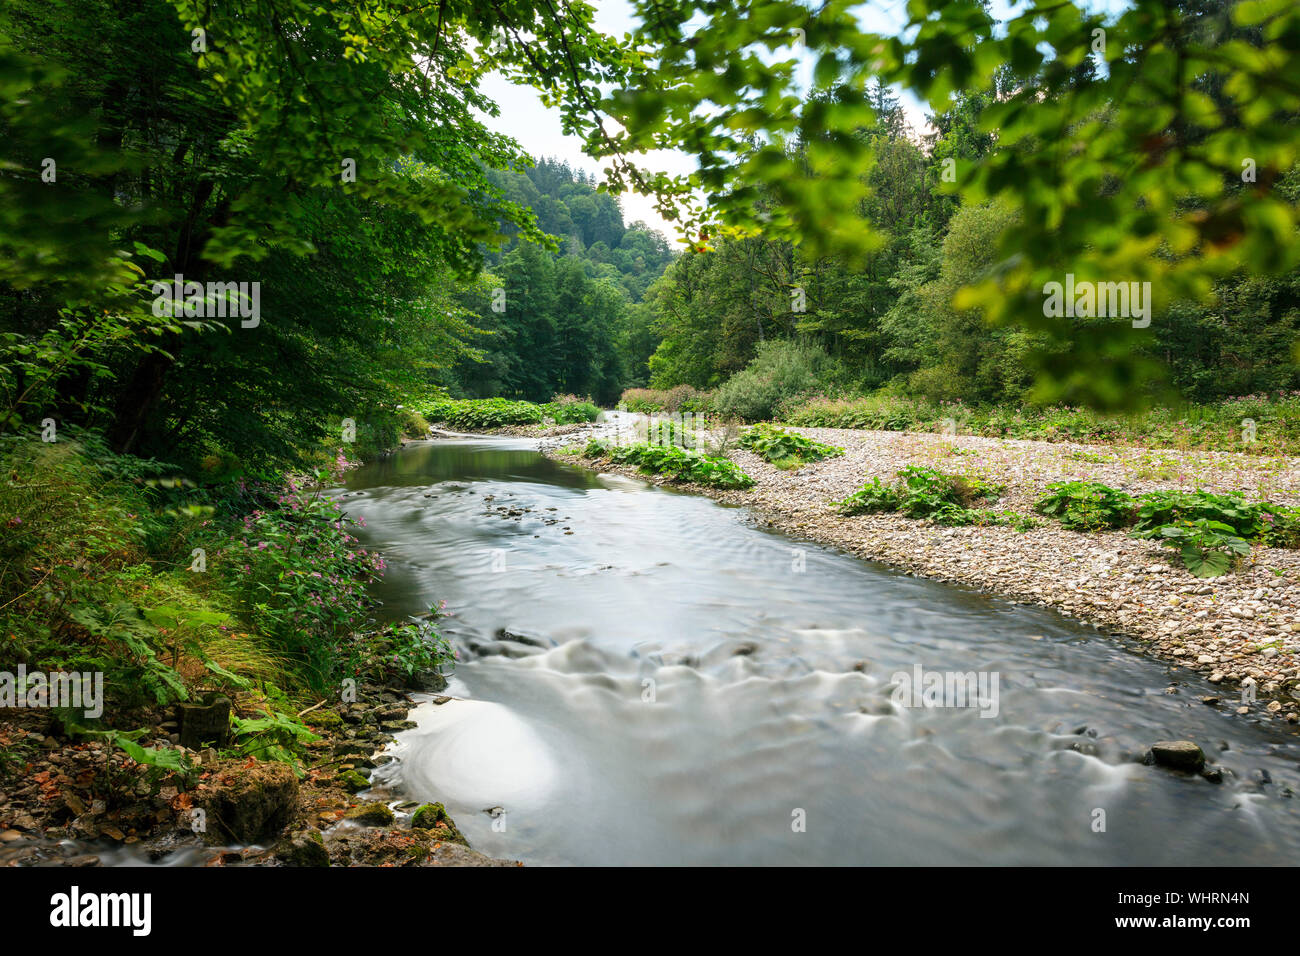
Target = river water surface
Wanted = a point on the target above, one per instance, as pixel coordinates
(649, 678)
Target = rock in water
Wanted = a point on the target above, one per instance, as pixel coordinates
(353, 782)
(306, 848)
(372, 814)
(433, 816)
(1178, 754)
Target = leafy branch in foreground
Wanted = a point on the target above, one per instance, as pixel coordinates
(1153, 144)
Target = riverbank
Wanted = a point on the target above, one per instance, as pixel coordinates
(223, 691)
(232, 811)
(1245, 625)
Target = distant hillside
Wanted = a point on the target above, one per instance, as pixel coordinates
(568, 205)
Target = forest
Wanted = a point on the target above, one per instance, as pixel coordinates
(892, 324)
(316, 385)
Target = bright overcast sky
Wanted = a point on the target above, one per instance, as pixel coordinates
(537, 129)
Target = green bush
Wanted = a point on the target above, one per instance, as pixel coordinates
(414, 425)
(785, 449)
(570, 413)
(298, 567)
(922, 492)
(1093, 506)
(1086, 505)
(1247, 519)
(470, 414)
(666, 431)
(380, 430)
(1283, 527)
(874, 497)
(780, 373)
(1208, 548)
(651, 401)
(677, 464)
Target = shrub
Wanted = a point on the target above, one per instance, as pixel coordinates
(874, 497)
(1282, 527)
(1086, 505)
(399, 653)
(414, 425)
(928, 491)
(680, 398)
(298, 568)
(470, 414)
(676, 463)
(1243, 518)
(568, 398)
(1207, 548)
(922, 492)
(785, 449)
(780, 373)
(569, 413)
(1209, 530)
(478, 413)
(666, 431)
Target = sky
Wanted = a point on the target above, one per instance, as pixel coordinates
(537, 128)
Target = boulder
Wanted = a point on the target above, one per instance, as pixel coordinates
(353, 781)
(1177, 754)
(305, 848)
(372, 814)
(247, 803)
(433, 816)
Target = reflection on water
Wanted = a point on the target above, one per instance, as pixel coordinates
(651, 679)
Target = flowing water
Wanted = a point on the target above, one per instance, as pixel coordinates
(649, 678)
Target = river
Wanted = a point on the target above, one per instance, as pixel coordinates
(648, 677)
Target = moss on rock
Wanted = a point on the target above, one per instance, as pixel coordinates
(434, 816)
(371, 814)
(353, 781)
(305, 848)
(246, 803)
